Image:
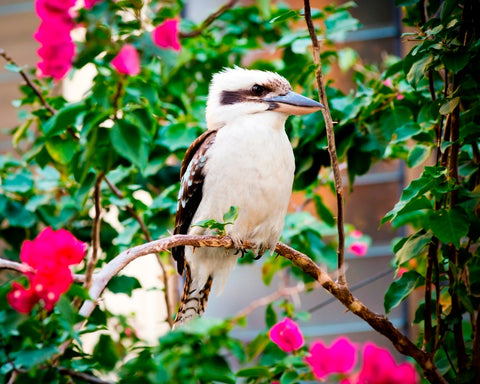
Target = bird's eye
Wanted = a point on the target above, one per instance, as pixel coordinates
(258, 90)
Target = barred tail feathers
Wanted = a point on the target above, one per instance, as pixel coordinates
(194, 297)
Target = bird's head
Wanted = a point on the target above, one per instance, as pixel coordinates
(236, 92)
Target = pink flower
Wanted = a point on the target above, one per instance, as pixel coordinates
(127, 61)
(387, 82)
(379, 367)
(57, 50)
(90, 3)
(287, 335)
(52, 248)
(356, 234)
(340, 357)
(21, 299)
(166, 35)
(358, 248)
(400, 96)
(401, 271)
(50, 255)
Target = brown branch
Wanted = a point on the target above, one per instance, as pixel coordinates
(331, 145)
(15, 266)
(82, 376)
(209, 20)
(148, 237)
(28, 81)
(95, 232)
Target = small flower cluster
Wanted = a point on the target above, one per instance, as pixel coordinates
(358, 245)
(340, 358)
(165, 36)
(57, 47)
(48, 258)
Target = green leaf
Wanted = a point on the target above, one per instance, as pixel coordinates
(123, 284)
(18, 215)
(269, 269)
(106, 353)
(400, 289)
(30, 358)
(323, 211)
(456, 62)
(405, 3)
(257, 345)
(418, 155)
(413, 246)
(176, 136)
(285, 16)
(450, 225)
(449, 106)
(431, 180)
(265, 8)
(258, 371)
(347, 57)
(13, 68)
(418, 69)
(61, 150)
(218, 226)
(64, 118)
(215, 369)
(339, 23)
(230, 216)
(270, 316)
(18, 183)
(130, 142)
(289, 377)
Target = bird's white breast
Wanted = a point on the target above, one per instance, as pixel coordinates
(250, 166)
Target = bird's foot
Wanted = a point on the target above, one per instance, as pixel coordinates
(243, 250)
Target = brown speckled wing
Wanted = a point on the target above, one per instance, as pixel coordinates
(191, 186)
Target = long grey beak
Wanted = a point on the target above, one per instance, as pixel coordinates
(293, 104)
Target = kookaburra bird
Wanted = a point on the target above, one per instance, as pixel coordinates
(243, 160)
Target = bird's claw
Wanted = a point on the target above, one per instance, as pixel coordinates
(243, 250)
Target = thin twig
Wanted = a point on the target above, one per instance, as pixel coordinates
(15, 266)
(95, 232)
(82, 376)
(331, 145)
(28, 81)
(278, 294)
(209, 20)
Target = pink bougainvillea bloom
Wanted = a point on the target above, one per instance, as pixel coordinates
(358, 248)
(51, 249)
(287, 335)
(400, 96)
(21, 299)
(127, 61)
(340, 357)
(90, 3)
(166, 35)
(46, 9)
(356, 234)
(57, 48)
(379, 367)
(388, 82)
(401, 271)
(49, 255)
